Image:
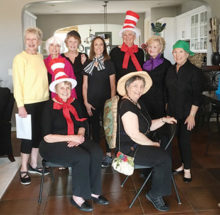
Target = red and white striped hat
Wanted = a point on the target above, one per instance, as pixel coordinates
(57, 65)
(130, 22)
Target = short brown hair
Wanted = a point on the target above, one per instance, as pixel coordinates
(74, 34)
(34, 30)
(92, 52)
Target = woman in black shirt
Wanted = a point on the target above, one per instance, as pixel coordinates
(183, 83)
(64, 142)
(98, 86)
(156, 66)
(77, 59)
(135, 126)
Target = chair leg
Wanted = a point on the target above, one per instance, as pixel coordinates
(122, 184)
(175, 188)
(41, 184)
(138, 193)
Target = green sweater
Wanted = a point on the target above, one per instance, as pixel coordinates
(29, 79)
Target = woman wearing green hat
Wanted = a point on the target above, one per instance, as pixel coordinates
(183, 85)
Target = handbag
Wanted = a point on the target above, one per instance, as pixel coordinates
(123, 163)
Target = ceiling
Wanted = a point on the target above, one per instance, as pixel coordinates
(96, 6)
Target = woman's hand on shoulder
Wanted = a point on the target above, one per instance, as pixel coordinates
(169, 120)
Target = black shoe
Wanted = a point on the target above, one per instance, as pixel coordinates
(84, 207)
(106, 162)
(101, 200)
(25, 179)
(37, 170)
(178, 172)
(187, 180)
(157, 202)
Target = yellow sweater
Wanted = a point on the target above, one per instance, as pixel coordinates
(29, 79)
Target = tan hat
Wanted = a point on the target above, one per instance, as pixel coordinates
(121, 83)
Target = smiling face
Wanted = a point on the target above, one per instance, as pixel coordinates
(128, 37)
(135, 89)
(98, 47)
(180, 56)
(63, 90)
(72, 44)
(154, 48)
(31, 43)
(54, 50)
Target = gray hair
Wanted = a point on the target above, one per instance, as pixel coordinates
(56, 41)
(132, 79)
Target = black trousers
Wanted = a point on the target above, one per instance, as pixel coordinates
(85, 161)
(35, 110)
(160, 161)
(95, 125)
(183, 137)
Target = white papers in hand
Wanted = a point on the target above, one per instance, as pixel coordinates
(23, 127)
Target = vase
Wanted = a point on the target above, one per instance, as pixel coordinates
(215, 58)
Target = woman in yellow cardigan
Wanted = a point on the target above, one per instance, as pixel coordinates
(30, 91)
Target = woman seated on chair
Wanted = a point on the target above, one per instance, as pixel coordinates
(65, 142)
(135, 125)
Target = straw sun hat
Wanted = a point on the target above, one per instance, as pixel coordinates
(121, 83)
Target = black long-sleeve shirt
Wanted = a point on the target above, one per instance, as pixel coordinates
(117, 57)
(183, 89)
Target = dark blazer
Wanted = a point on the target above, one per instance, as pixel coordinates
(183, 89)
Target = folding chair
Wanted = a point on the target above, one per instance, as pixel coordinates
(50, 165)
(171, 130)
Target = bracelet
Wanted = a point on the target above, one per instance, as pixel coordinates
(162, 120)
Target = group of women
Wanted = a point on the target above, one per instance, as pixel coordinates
(152, 93)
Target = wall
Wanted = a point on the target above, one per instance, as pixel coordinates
(59, 21)
(190, 5)
(160, 12)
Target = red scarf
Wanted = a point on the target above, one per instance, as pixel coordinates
(129, 52)
(67, 108)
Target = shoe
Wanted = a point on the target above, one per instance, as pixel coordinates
(177, 171)
(25, 179)
(187, 180)
(100, 200)
(84, 207)
(37, 170)
(157, 202)
(107, 161)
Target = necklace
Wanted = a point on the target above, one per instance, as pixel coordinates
(132, 100)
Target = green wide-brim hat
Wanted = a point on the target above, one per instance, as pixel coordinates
(184, 45)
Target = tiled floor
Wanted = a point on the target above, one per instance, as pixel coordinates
(198, 197)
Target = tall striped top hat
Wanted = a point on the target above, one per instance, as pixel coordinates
(57, 65)
(130, 22)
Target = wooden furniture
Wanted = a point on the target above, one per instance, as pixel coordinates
(6, 107)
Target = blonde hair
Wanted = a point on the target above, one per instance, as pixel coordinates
(158, 39)
(34, 30)
(56, 41)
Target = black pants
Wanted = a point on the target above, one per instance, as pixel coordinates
(95, 125)
(85, 161)
(35, 110)
(160, 162)
(183, 137)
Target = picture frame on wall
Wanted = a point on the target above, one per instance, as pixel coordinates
(107, 36)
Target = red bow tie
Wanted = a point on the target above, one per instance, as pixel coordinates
(129, 52)
(67, 109)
